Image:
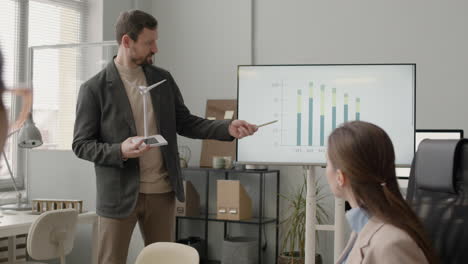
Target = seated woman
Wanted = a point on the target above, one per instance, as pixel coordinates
(361, 170)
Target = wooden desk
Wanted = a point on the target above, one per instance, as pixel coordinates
(18, 224)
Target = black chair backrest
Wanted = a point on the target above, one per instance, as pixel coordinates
(437, 193)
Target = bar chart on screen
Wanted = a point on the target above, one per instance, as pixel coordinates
(310, 101)
(311, 112)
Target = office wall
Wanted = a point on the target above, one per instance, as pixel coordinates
(111, 11)
(94, 25)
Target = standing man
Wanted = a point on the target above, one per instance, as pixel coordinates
(136, 183)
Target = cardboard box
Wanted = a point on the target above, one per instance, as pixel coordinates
(233, 202)
(218, 110)
(191, 206)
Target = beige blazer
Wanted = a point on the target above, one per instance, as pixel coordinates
(383, 244)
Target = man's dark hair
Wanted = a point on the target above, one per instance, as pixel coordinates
(132, 23)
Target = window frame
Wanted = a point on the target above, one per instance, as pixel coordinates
(19, 158)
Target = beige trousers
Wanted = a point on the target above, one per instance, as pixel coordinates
(155, 214)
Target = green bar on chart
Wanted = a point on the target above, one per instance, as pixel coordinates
(345, 107)
(358, 109)
(333, 108)
(311, 111)
(322, 115)
(299, 116)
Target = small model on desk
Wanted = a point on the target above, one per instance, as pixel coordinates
(218, 110)
(43, 205)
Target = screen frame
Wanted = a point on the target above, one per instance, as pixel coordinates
(328, 64)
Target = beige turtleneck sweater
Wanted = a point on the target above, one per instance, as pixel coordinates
(153, 174)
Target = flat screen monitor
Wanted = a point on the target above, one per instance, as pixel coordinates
(309, 101)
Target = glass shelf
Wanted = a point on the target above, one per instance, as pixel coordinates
(213, 217)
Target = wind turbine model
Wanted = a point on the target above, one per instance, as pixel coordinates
(154, 140)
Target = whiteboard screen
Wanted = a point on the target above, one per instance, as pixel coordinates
(309, 101)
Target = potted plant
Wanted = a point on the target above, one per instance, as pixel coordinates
(293, 224)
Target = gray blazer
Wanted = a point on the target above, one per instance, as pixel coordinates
(104, 120)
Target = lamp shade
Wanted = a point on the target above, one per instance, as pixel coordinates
(29, 135)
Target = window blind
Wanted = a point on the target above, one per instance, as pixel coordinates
(56, 71)
(26, 23)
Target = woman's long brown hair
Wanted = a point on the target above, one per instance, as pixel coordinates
(365, 154)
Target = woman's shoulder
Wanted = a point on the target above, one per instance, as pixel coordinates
(391, 242)
(389, 233)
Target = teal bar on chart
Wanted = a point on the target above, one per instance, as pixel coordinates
(322, 115)
(311, 112)
(333, 108)
(345, 107)
(299, 116)
(358, 109)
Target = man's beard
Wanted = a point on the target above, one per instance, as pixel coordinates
(148, 60)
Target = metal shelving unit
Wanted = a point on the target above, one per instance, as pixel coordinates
(259, 220)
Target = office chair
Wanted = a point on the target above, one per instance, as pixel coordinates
(168, 253)
(52, 235)
(437, 192)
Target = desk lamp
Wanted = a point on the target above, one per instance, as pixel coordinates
(29, 137)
